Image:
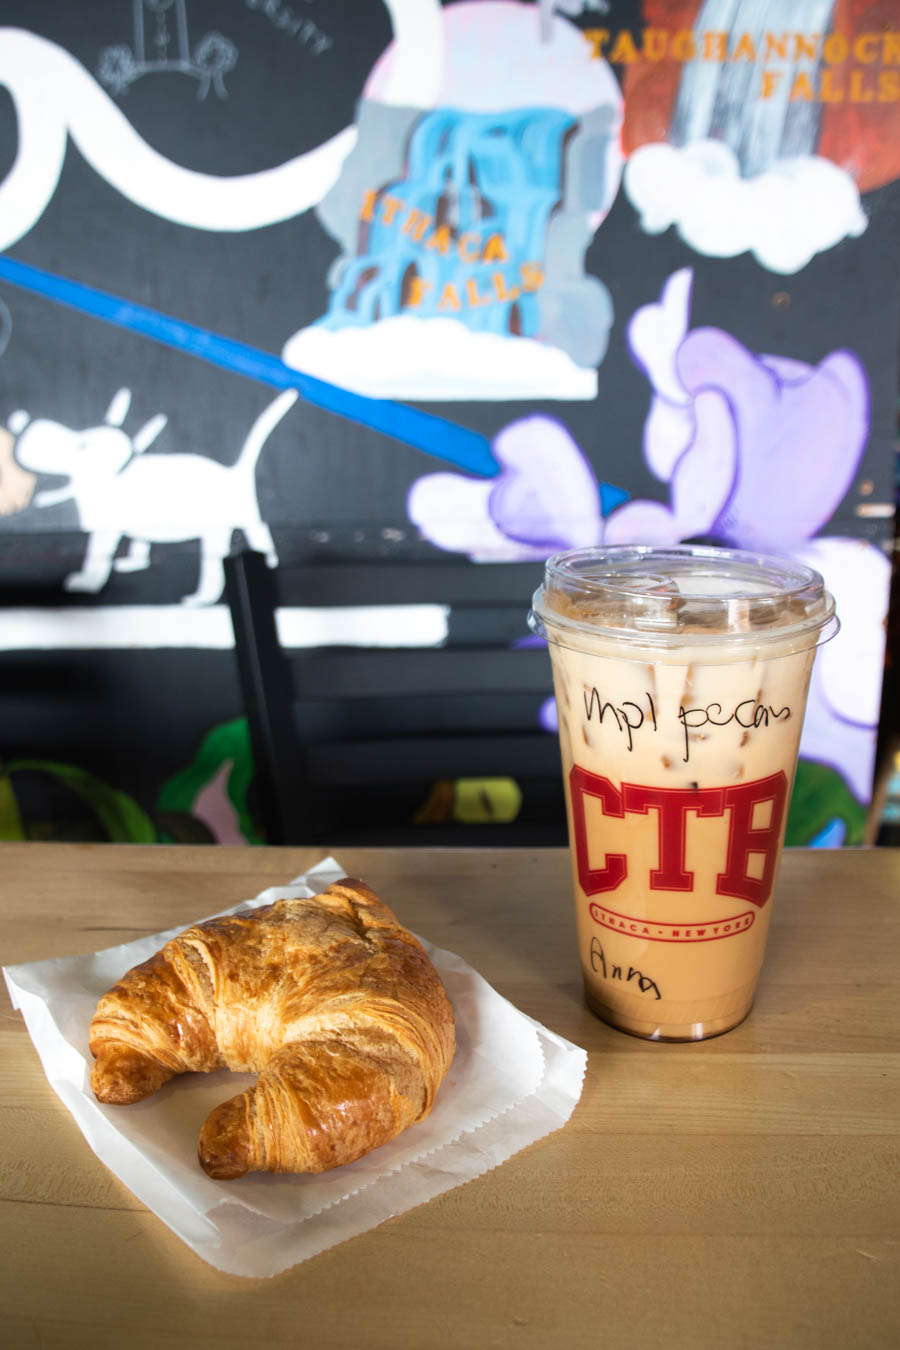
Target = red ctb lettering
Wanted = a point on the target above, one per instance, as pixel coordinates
(672, 806)
(615, 869)
(743, 840)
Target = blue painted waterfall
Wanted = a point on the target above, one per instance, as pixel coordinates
(463, 233)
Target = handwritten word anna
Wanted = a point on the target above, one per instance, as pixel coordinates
(613, 972)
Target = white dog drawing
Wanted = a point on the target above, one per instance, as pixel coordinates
(155, 499)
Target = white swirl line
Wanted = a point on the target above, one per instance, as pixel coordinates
(54, 97)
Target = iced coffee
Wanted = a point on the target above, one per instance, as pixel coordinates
(681, 677)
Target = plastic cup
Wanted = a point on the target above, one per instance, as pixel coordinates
(681, 677)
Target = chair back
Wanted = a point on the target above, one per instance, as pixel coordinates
(361, 736)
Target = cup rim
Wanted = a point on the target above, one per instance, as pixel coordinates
(642, 581)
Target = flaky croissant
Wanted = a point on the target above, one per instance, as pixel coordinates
(330, 1000)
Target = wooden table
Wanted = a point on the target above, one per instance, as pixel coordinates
(743, 1192)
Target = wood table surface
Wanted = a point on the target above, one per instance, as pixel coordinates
(740, 1192)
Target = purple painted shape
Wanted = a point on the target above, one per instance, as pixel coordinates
(549, 715)
(546, 494)
(799, 432)
(702, 480)
(758, 451)
(546, 497)
(530, 640)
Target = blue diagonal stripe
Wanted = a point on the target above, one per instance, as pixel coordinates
(434, 435)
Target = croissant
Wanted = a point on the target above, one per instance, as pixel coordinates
(329, 1000)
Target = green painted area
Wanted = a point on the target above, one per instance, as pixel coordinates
(821, 796)
(120, 817)
(228, 743)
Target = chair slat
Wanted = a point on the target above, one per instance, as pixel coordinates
(458, 583)
(399, 759)
(396, 714)
(350, 673)
(348, 741)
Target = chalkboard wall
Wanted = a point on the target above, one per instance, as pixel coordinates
(401, 280)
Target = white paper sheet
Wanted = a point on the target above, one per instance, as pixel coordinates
(511, 1082)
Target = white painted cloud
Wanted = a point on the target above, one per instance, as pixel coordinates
(438, 359)
(784, 217)
(841, 723)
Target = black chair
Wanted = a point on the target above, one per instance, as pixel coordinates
(367, 745)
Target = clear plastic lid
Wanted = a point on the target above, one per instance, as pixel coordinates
(666, 597)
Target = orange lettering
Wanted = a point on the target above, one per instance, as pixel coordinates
(417, 222)
(683, 48)
(858, 92)
(369, 201)
(656, 40)
(598, 38)
(449, 298)
(391, 206)
(473, 297)
(861, 48)
(888, 86)
(469, 246)
(830, 93)
(770, 82)
(745, 49)
(532, 275)
(835, 49)
(440, 239)
(495, 249)
(499, 283)
(776, 46)
(891, 52)
(806, 46)
(802, 90)
(715, 46)
(418, 289)
(624, 50)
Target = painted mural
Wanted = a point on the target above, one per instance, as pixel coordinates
(394, 278)
(121, 494)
